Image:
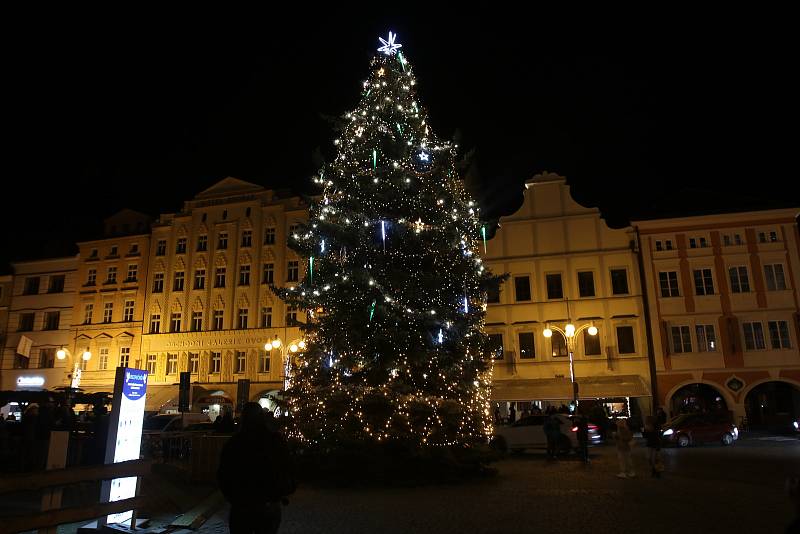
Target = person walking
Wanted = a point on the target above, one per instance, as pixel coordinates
(652, 436)
(583, 437)
(624, 439)
(255, 474)
(552, 432)
(512, 414)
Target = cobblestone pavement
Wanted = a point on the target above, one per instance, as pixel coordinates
(705, 489)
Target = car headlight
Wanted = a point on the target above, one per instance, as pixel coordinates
(668, 432)
(796, 425)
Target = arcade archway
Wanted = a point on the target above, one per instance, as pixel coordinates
(773, 406)
(698, 397)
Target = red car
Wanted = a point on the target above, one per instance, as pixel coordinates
(689, 429)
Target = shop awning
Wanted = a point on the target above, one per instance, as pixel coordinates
(561, 388)
(158, 396)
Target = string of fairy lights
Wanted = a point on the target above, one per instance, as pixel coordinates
(395, 288)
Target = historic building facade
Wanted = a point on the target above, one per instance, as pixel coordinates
(724, 310)
(209, 308)
(109, 304)
(40, 301)
(566, 265)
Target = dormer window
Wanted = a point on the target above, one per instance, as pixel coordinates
(113, 251)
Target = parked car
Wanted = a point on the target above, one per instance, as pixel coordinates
(161, 433)
(690, 429)
(528, 433)
(166, 422)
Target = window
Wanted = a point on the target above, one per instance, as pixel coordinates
(706, 338)
(776, 281)
(247, 238)
(161, 249)
(779, 334)
(180, 246)
(158, 283)
(269, 236)
(527, 350)
(56, 284)
(200, 279)
(263, 366)
(703, 242)
(91, 277)
(197, 321)
(218, 316)
(47, 358)
(669, 283)
(108, 312)
(496, 346)
(224, 214)
(754, 336)
(726, 240)
(177, 284)
(293, 271)
(175, 322)
(692, 242)
(558, 346)
(127, 311)
(102, 361)
(31, 286)
(586, 284)
(84, 364)
(291, 315)
(202, 243)
(220, 277)
(243, 318)
(172, 364)
(111, 278)
(293, 228)
(241, 361)
(739, 280)
(619, 281)
(493, 295)
(762, 237)
(737, 239)
(703, 282)
(668, 244)
(155, 323)
(93, 255)
(591, 344)
(625, 342)
(681, 340)
(268, 275)
(194, 362)
(25, 322)
(266, 317)
(124, 356)
(51, 320)
(244, 275)
(522, 288)
(87, 313)
(554, 288)
(133, 272)
(216, 360)
(247, 212)
(151, 363)
(113, 252)
(773, 236)
(222, 241)
(659, 246)
(133, 250)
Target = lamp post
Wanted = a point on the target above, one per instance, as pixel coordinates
(569, 333)
(293, 347)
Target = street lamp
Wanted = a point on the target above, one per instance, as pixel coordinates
(297, 345)
(569, 333)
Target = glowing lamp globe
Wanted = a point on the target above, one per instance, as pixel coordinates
(276, 343)
(547, 332)
(268, 346)
(592, 330)
(570, 330)
(302, 344)
(293, 347)
(61, 354)
(87, 355)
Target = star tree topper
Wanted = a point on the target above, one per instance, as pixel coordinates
(389, 47)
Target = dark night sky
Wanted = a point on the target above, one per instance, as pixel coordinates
(109, 111)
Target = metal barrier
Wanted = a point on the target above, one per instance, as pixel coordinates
(196, 454)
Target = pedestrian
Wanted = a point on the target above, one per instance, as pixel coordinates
(512, 414)
(552, 433)
(624, 439)
(255, 474)
(583, 437)
(497, 414)
(526, 412)
(652, 436)
(661, 415)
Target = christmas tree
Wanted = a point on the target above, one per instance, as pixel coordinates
(394, 286)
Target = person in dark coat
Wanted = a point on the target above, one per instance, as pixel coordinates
(255, 474)
(652, 436)
(583, 437)
(512, 414)
(552, 431)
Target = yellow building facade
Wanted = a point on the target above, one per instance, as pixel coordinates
(566, 265)
(725, 310)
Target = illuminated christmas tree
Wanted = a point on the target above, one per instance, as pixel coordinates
(394, 286)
